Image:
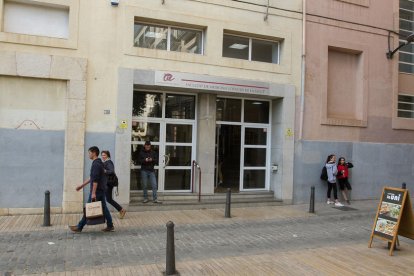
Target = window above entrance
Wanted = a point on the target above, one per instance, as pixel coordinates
(249, 48)
(164, 37)
(248, 111)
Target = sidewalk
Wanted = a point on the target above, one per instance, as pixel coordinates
(341, 258)
(154, 218)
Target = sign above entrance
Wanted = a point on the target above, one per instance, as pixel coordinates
(212, 83)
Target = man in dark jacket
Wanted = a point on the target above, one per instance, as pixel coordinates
(148, 158)
(97, 190)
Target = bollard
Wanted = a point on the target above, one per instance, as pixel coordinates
(170, 258)
(404, 186)
(46, 213)
(228, 204)
(312, 200)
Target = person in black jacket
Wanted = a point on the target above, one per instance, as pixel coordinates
(97, 181)
(148, 158)
(109, 170)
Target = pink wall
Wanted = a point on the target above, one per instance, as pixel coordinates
(380, 74)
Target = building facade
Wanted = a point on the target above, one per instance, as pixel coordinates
(256, 93)
(211, 82)
(356, 103)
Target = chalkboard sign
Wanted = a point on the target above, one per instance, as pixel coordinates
(394, 210)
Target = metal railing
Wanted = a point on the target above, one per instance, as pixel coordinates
(196, 165)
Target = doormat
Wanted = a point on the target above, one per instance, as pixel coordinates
(345, 208)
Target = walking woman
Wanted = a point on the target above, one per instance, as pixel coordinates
(109, 170)
(342, 176)
(332, 170)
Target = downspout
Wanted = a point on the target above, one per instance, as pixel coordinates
(303, 67)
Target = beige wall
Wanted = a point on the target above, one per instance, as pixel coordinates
(101, 36)
(328, 26)
(105, 36)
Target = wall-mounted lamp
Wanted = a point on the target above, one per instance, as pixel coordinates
(408, 39)
(114, 3)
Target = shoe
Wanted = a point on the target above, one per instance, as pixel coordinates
(122, 213)
(155, 201)
(330, 202)
(75, 229)
(338, 204)
(348, 202)
(145, 200)
(109, 229)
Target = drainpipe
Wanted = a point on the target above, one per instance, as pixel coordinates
(302, 88)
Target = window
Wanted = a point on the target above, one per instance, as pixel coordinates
(251, 49)
(168, 38)
(405, 106)
(406, 53)
(237, 110)
(35, 19)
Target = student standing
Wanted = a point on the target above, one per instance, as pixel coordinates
(342, 176)
(332, 170)
(148, 158)
(109, 170)
(97, 180)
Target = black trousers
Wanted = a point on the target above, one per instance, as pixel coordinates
(335, 191)
(110, 200)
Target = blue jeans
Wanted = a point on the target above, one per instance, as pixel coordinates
(107, 214)
(145, 175)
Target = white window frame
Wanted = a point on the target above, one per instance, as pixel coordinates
(404, 110)
(251, 44)
(403, 41)
(169, 35)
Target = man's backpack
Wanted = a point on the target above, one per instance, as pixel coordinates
(324, 174)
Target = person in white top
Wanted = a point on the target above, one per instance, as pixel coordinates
(332, 170)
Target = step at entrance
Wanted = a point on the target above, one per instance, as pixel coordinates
(182, 201)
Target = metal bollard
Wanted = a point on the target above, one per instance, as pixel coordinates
(46, 213)
(170, 258)
(404, 186)
(312, 200)
(228, 204)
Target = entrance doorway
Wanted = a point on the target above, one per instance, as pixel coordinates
(242, 144)
(168, 121)
(228, 157)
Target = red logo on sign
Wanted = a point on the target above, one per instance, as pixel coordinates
(168, 77)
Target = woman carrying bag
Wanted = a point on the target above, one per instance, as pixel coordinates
(109, 170)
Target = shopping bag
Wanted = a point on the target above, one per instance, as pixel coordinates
(93, 209)
(94, 221)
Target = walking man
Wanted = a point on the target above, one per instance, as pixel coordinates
(148, 158)
(97, 191)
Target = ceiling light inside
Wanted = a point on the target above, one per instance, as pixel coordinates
(238, 46)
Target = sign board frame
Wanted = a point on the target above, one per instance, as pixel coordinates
(394, 217)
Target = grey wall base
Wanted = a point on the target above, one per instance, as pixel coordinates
(31, 162)
(376, 165)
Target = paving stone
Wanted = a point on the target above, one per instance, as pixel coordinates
(146, 245)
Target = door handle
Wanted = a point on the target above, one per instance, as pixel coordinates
(166, 160)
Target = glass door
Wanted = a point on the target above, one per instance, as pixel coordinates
(242, 144)
(254, 173)
(255, 150)
(168, 121)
